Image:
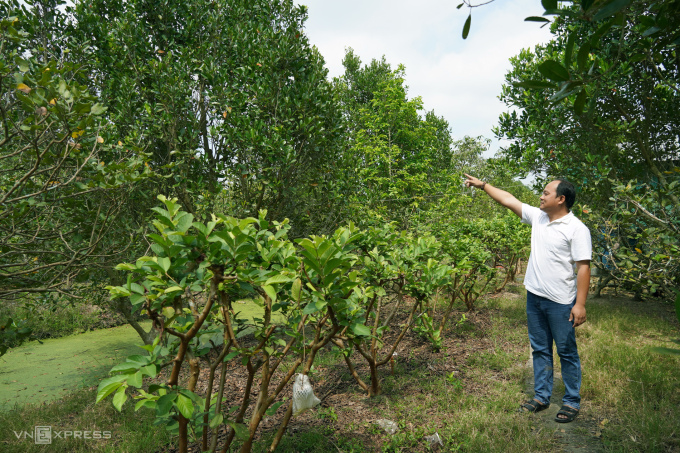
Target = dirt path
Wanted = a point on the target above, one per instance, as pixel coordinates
(581, 435)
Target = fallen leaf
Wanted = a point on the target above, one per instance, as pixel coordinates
(604, 421)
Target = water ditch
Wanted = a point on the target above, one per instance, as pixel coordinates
(35, 373)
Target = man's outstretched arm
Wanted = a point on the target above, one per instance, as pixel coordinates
(500, 196)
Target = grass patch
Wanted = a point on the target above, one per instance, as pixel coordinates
(129, 431)
(635, 390)
(318, 439)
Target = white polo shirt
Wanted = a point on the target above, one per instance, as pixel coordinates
(555, 247)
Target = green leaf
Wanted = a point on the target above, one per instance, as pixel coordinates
(243, 224)
(216, 421)
(582, 56)
(651, 31)
(157, 388)
(535, 84)
(164, 403)
(185, 222)
(466, 27)
(595, 39)
(137, 300)
(126, 367)
(553, 71)
(331, 265)
(549, 5)
(274, 407)
(119, 398)
(97, 109)
(310, 309)
(536, 19)
(140, 359)
(135, 380)
(108, 386)
(173, 289)
(137, 288)
(580, 102)
(157, 238)
(22, 64)
(184, 405)
(566, 89)
(150, 370)
(361, 330)
(611, 8)
(164, 263)
(279, 278)
(230, 356)
(148, 403)
(270, 292)
(296, 289)
(240, 429)
(569, 48)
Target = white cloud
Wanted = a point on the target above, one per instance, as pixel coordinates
(459, 79)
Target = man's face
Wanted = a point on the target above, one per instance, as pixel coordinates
(549, 201)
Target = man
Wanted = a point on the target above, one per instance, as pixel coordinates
(556, 298)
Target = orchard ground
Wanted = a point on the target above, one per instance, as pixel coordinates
(468, 393)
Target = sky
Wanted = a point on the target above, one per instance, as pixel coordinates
(460, 79)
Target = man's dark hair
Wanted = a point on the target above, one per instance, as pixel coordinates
(567, 189)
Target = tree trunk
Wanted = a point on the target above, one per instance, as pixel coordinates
(122, 306)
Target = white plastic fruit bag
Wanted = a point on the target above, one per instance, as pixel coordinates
(303, 394)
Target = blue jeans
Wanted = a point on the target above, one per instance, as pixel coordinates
(548, 321)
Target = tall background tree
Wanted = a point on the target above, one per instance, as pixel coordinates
(65, 178)
(397, 157)
(229, 97)
(599, 104)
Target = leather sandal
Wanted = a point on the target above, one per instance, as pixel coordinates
(533, 406)
(569, 414)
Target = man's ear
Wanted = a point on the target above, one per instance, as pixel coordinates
(562, 199)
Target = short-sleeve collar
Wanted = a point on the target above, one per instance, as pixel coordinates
(564, 219)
